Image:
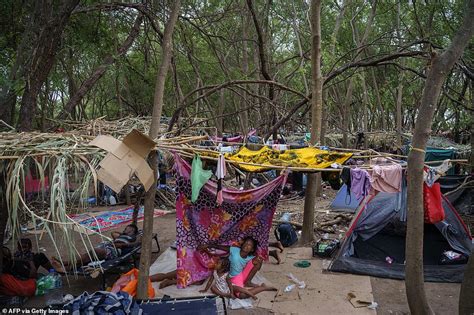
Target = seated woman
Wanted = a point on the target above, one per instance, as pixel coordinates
(243, 263)
(221, 285)
(122, 243)
(25, 254)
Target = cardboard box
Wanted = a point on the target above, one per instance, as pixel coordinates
(125, 159)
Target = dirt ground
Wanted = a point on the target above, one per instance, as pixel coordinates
(389, 294)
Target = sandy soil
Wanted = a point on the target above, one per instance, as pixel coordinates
(389, 294)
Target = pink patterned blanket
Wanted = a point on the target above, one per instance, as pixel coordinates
(242, 213)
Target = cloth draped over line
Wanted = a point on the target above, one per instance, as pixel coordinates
(241, 214)
(305, 157)
(199, 177)
(386, 178)
(220, 174)
(360, 183)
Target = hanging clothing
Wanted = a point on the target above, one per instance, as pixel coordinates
(242, 213)
(199, 177)
(360, 183)
(386, 178)
(346, 177)
(220, 174)
(432, 174)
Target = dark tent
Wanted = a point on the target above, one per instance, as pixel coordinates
(375, 242)
(344, 202)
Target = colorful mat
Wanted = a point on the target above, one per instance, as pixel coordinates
(108, 220)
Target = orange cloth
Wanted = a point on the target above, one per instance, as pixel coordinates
(12, 286)
(128, 283)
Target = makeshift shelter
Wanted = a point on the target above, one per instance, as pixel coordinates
(375, 242)
(345, 201)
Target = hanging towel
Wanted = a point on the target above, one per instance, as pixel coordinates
(386, 178)
(199, 177)
(360, 183)
(220, 174)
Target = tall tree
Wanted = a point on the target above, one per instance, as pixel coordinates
(441, 64)
(167, 50)
(316, 117)
(466, 302)
(99, 72)
(45, 34)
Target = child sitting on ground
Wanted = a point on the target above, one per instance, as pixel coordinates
(35, 260)
(223, 286)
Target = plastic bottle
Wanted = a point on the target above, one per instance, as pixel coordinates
(56, 281)
(40, 286)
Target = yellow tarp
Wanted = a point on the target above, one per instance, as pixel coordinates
(303, 158)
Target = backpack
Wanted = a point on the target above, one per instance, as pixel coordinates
(286, 234)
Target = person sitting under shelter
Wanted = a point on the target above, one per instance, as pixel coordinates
(25, 254)
(122, 244)
(243, 262)
(220, 283)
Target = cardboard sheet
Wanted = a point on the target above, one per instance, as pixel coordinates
(125, 159)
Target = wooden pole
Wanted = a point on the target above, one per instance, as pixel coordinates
(145, 257)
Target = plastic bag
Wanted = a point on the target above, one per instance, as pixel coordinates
(128, 283)
(300, 284)
(434, 211)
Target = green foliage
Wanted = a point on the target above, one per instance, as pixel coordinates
(209, 50)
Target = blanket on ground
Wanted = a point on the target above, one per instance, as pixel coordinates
(241, 214)
(111, 219)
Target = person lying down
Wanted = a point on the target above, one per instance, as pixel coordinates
(122, 244)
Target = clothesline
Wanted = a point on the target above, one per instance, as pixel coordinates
(185, 151)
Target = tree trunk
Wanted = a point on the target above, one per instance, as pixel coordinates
(145, 257)
(261, 40)
(346, 109)
(3, 206)
(244, 117)
(49, 23)
(440, 67)
(87, 85)
(380, 105)
(399, 113)
(466, 302)
(220, 112)
(471, 158)
(316, 118)
(365, 107)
